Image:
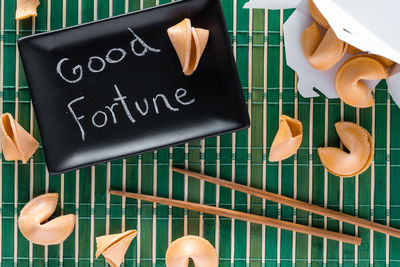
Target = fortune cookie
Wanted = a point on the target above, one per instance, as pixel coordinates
(358, 142)
(317, 16)
(189, 44)
(32, 221)
(322, 53)
(17, 144)
(349, 85)
(26, 9)
(114, 247)
(196, 248)
(287, 140)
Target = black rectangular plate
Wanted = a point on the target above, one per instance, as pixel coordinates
(85, 102)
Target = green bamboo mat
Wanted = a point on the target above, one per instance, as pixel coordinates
(269, 87)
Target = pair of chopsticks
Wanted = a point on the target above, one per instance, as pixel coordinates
(265, 220)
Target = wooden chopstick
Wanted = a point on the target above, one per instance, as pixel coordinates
(244, 217)
(294, 203)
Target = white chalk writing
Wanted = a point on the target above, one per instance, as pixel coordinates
(144, 45)
(183, 94)
(77, 119)
(161, 102)
(140, 109)
(122, 99)
(104, 119)
(113, 61)
(100, 118)
(112, 112)
(78, 70)
(103, 64)
(167, 104)
(74, 69)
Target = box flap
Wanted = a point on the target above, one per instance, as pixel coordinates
(355, 23)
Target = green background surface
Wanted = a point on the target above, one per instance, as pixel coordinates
(268, 85)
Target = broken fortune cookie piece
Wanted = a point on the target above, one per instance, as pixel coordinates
(189, 44)
(114, 247)
(26, 9)
(196, 248)
(32, 221)
(322, 53)
(287, 140)
(348, 82)
(358, 142)
(17, 143)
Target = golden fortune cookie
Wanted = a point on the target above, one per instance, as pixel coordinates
(26, 9)
(322, 53)
(348, 82)
(17, 143)
(113, 247)
(196, 248)
(189, 44)
(33, 224)
(358, 142)
(317, 16)
(287, 140)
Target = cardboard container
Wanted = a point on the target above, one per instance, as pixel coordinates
(353, 22)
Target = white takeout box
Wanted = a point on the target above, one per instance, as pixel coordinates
(369, 25)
